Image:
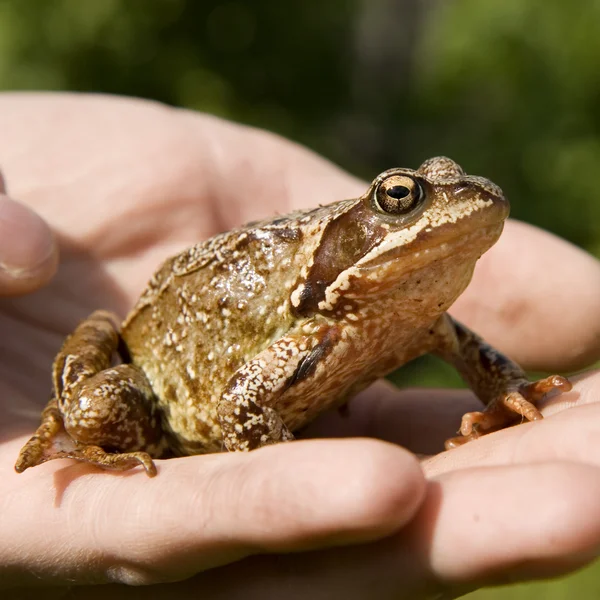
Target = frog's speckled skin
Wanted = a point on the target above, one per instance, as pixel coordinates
(243, 339)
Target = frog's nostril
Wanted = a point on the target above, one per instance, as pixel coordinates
(461, 189)
(496, 196)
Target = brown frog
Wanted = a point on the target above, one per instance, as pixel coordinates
(243, 339)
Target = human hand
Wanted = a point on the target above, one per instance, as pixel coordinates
(124, 184)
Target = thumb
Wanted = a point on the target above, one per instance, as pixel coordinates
(28, 251)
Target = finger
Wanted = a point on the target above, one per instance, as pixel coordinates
(278, 174)
(476, 527)
(418, 419)
(458, 538)
(423, 419)
(571, 435)
(201, 512)
(536, 298)
(28, 253)
(547, 511)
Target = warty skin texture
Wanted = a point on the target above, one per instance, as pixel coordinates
(241, 340)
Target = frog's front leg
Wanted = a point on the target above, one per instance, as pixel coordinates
(245, 414)
(98, 414)
(497, 381)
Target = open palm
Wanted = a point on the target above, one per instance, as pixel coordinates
(124, 184)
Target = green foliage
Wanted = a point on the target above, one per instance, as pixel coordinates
(584, 585)
(509, 88)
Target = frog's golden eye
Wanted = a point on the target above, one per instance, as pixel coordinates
(398, 195)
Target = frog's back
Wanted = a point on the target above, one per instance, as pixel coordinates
(204, 314)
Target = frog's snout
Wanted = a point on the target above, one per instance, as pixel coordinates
(496, 200)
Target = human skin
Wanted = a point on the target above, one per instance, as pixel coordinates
(125, 183)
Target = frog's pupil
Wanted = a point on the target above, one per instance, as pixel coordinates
(398, 192)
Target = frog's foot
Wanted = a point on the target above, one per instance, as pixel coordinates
(95, 455)
(40, 446)
(99, 413)
(51, 441)
(35, 453)
(508, 408)
(109, 410)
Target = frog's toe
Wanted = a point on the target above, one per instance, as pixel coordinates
(536, 390)
(96, 455)
(36, 452)
(49, 442)
(518, 405)
(522, 402)
(492, 418)
(497, 415)
(476, 424)
(31, 454)
(49, 437)
(461, 440)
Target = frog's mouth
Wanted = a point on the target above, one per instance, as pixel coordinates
(448, 241)
(465, 226)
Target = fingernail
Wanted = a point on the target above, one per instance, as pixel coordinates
(27, 245)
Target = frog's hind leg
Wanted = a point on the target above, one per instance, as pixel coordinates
(100, 414)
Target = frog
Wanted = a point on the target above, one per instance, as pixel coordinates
(242, 340)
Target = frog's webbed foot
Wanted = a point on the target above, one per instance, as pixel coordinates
(508, 408)
(43, 444)
(100, 414)
(51, 441)
(497, 380)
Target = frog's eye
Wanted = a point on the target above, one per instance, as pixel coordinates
(398, 195)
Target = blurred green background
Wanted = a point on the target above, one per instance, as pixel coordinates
(508, 88)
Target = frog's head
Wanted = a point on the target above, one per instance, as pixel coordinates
(407, 221)
(425, 215)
